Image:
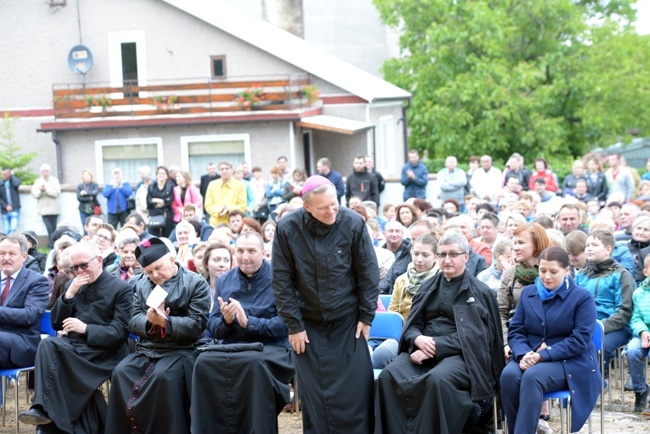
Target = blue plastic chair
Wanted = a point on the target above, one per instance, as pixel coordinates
(46, 329)
(386, 325)
(385, 300)
(564, 396)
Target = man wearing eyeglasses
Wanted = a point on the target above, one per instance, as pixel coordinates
(92, 317)
(224, 195)
(450, 355)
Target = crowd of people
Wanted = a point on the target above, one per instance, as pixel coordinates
(242, 283)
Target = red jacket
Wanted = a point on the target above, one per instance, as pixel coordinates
(549, 177)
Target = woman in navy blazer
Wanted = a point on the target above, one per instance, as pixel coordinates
(550, 336)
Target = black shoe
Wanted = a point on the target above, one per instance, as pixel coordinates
(640, 399)
(34, 416)
(545, 417)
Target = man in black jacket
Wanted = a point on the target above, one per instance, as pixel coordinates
(361, 183)
(325, 278)
(10, 200)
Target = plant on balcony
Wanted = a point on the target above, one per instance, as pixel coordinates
(98, 101)
(311, 93)
(165, 102)
(249, 98)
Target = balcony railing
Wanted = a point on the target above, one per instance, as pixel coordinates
(180, 97)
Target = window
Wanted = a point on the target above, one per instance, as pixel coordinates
(128, 155)
(218, 67)
(198, 151)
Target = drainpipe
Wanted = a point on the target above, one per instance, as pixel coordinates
(57, 156)
(405, 128)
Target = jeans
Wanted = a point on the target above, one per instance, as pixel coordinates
(613, 340)
(10, 221)
(384, 354)
(83, 216)
(636, 363)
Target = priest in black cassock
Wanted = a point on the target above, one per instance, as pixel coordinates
(326, 286)
(451, 353)
(243, 384)
(92, 315)
(150, 389)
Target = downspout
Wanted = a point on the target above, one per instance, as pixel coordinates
(405, 128)
(57, 155)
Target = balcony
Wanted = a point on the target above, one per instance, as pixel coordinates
(187, 98)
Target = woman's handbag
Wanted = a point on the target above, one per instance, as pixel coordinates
(97, 209)
(157, 221)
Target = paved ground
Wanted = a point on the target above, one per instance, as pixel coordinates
(291, 423)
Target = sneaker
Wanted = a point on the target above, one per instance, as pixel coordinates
(543, 428)
(641, 399)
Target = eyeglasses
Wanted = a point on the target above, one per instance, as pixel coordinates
(104, 237)
(83, 267)
(452, 255)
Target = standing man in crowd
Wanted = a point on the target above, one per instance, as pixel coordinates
(92, 315)
(324, 169)
(46, 191)
(150, 389)
(415, 177)
(516, 169)
(10, 201)
(116, 193)
(325, 278)
(370, 166)
(206, 179)
(452, 182)
(486, 180)
(224, 195)
(361, 182)
(283, 164)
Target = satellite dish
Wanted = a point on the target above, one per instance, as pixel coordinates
(80, 59)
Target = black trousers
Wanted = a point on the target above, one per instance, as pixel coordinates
(50, 225)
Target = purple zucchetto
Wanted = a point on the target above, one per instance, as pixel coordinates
(314, 182)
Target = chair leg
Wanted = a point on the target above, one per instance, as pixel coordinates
(16, 402)
(4, 394)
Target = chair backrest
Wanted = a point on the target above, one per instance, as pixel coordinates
(387, 325)
(385, 300)
(46, 324)
(599, 331)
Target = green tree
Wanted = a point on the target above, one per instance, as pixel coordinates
(547, 78)
(11, 154)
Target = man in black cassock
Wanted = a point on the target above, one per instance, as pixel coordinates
(451, 353)
(150, 389)
(92, 315)
(325, 281)
(243, 385)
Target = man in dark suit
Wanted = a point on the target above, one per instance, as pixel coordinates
(206, 180)
(23, 299)
(10, 200)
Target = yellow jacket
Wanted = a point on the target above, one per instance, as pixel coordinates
(231, 194)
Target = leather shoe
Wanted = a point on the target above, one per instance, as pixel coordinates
(34, 416)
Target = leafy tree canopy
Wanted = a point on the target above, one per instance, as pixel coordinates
(549, 78)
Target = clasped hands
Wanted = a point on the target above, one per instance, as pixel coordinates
(426, 351)
(154, 316)
(531, 358)
(232, 310)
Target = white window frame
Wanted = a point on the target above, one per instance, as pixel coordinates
(99, 152)
(115, 41)
(187, 140)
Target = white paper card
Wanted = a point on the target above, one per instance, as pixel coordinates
(156, 298)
